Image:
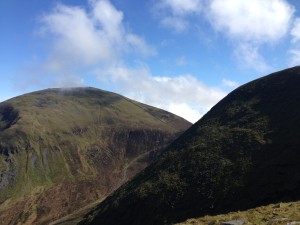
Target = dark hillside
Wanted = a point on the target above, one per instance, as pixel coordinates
(245, 152)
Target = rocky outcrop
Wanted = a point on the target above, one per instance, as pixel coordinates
(9, 171)
(234, 222)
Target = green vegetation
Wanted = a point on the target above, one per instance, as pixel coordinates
(242, 154)
(273, 214)
(74, 143)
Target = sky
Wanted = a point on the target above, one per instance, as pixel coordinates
(179, 55)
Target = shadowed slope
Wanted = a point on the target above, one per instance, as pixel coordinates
(243, 153)
(61, 149)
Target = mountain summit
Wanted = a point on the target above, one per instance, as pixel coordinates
(245, 152)
(62, 149)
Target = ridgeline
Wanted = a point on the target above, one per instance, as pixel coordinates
(244, 153)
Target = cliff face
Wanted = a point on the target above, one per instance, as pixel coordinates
(243, 153)
(61, 150)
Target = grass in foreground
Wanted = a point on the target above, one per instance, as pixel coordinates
(279, 214)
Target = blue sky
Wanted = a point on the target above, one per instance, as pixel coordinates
(182, 56)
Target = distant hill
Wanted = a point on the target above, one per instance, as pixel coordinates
(62, 149)
(245, 152)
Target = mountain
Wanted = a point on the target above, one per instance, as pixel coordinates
(244, 153)
(62, 149)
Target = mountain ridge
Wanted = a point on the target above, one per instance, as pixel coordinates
(61, 149)
(242, 154)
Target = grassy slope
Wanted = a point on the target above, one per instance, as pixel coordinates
(273, 214)
(74, 135)
(242, 154)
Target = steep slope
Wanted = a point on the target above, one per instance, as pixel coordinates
(245, 152)
(61, 149)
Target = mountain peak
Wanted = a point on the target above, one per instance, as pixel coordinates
(61, 149)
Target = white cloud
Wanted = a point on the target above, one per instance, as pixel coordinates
(69, 81)
(183, 95)
(173, 13)
(177, 24)
(252, 21)
(294, 52)
(255, 21)
(85, 38)
(192, 113)
(229, 83)
(249, 57)
(295, 32)
(109, 19)
(250, 24)
(139, 45)
(181, 61)
(181, 8)
(75, 38)
(295, 57)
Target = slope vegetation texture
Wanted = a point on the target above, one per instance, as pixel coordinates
(287, 213)
(62, 149)
(244, 153)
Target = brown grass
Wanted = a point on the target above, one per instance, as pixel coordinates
(279, 214)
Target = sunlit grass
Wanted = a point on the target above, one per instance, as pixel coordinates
(279, 214)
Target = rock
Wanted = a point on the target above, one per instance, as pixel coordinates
(279, 219)
(293, 223)
(234, 222)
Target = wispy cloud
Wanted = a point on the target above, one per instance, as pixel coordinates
(248, 57)
(181, 8)
(295, 31)
(177, 24)
(295, 44)
(229, 83)
(248, 25)
(174, 14)
(181, 61)
(294, 57)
